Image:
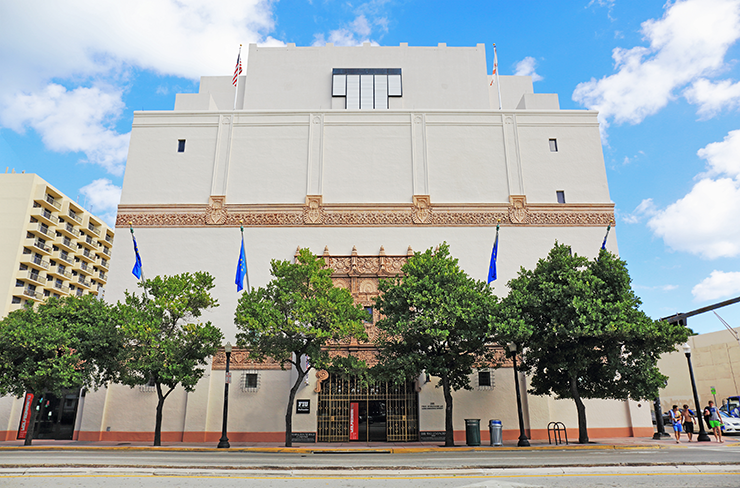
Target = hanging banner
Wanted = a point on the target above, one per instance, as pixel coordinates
(25, 416)
(354, 420)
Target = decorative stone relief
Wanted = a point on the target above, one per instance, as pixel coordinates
(518, 212)
(216, 212)
(240, 360)
(313, 213)
(321, 375)
(422, 209)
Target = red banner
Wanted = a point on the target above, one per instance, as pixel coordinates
(354, 420)
(25, 416)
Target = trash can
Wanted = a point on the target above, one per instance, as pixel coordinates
(472, 432)
(496, 430)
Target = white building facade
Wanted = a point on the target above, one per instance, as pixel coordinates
(360, 154)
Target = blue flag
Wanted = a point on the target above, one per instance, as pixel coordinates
(137, 266)
(603, 244)
(492, 267)
(241, 269)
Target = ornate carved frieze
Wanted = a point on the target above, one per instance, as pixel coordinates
(316, 213)
(240, 360)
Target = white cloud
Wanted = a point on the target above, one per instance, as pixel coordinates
(92, 44)
(526, 67)
(712, 98)
(77, 120)
(646, 208)
(689, 42)
(704, 222)
(354, 34)
(101, 198)
(719, 284)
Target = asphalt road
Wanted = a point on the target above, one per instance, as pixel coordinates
(626, 477)
(244, 459)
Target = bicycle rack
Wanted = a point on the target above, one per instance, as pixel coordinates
(557, 428)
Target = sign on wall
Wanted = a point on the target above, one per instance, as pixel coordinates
(303, 406)
(354, 420)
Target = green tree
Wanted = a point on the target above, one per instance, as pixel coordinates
(582, 332)
(296, 315)
(64, 343)
(164, 344)
(436, 319)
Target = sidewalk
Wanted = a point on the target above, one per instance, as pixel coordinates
(384, 447)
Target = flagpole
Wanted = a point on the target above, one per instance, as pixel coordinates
(608, 228)
(495, 69)
(246, 269)
(133, 239)
(237, 72)
(492, 274)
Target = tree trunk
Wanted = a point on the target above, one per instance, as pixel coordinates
(289, 411)
(31, 421)
(449, 431)
(582, 427)
(158, 421)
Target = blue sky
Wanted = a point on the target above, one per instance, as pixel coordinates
(664, 76)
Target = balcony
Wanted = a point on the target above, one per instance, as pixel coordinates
(60, 272)
(102, 276)
(95, 230)
(84, 267)
(33, 294)
(54, 202)
(87, 255)
(42, 230)
(61, 287)
(69, 230)
(40, 245)
(64, 256)
(67, 244)
(43, 215)
(86, 283)
(109, 238)
(103, 264)
(79, 292)
(32, 275)
(34, 261)
(75, 217)
(88, 242)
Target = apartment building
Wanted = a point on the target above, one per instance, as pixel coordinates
(51, 246)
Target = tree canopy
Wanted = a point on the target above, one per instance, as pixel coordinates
(436, 319)
(294, 317)
(164, 343)
(582, 332)
(64, 343)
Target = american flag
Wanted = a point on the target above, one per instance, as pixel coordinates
(238, 69)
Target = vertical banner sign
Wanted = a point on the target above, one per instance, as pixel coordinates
(354, 419)
(228, 377)
(25, 416)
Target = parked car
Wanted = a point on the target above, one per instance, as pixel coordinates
(731, 424)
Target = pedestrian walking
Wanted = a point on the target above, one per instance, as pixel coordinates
(676, 420)
(715, 421)
(687, 416)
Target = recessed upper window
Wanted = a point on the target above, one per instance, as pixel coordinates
(366, 88)
(561, 196)
(553, 145)
(181, 145)
(484, 378)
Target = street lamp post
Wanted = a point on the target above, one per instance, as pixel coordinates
(523, 441)
(224, 441)
(703, 437)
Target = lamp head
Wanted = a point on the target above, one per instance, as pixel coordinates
(686, 348)
(512, 346)
(227, 348)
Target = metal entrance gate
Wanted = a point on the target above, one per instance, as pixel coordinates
(401, 408)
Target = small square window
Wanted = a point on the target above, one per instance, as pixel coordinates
(250, 382)
(369, 311)
(19, 283)
(553, 145)
(561, 196)
(16, 300)
(484, 380)
(181, 145)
